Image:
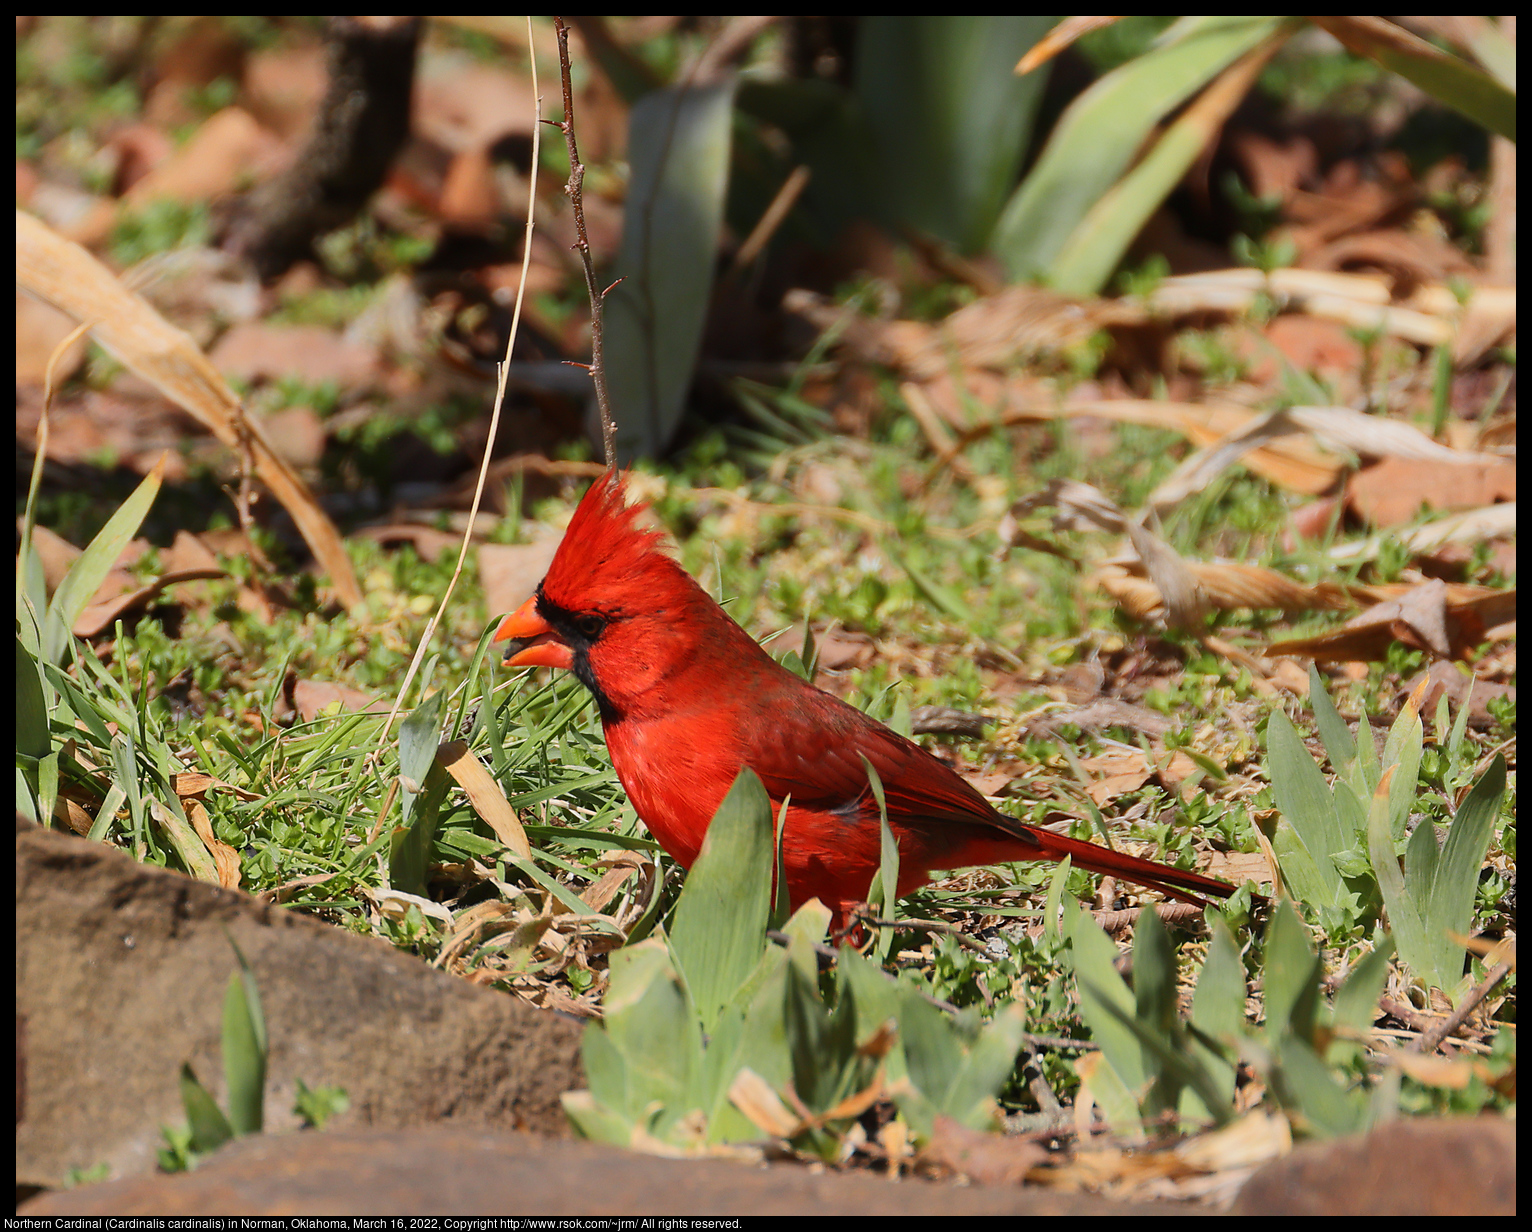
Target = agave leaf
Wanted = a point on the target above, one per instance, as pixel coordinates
(949, 118)
(1445, 77)
(678, 150)
(1112, 120)
(1103, 236)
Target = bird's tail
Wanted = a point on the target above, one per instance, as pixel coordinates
(1176, 882)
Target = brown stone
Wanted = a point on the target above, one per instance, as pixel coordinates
(1419, 1169)
(450, 1170)
(120, 975)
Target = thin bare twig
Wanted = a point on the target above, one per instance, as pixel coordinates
(926, 926)
(582, 245)
(1433, 1038)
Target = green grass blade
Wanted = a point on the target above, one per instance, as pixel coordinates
(90, 569)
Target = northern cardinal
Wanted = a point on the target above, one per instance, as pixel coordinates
(687, 698)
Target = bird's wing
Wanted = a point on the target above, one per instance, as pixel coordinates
(815, 750)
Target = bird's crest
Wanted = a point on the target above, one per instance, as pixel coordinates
(606, 557)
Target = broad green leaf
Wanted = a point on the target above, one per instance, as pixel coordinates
(606, 1070)
(1218, 1005)
(419, 738)
(1420, 859)
(1462, 857)
(210, 1129)
(984, 1069)
(90, 569)
(1304, 1085)
(424, 785)
(1312, 827)
(1293, 972)
(719, 931)
(1104, 130)
(678, 152)
(1367, 769)
(1442, 885)
(878, 999)
(821, 1042)
(1356, 1000)
(1094, 957)
(244, 1049)
(1339, 743)
(31, 601)
(654, 1027)
(885, 886)
(949, 117)
(32, 737)
(1402, 749)
(26, 799)
(1218, 1015)
(933, 1056)
(1053, 903)
(1119, 1105)
(721, 1061)
(1175, 1069)
(1404, 913)
(594, 1120)
(1154, 973)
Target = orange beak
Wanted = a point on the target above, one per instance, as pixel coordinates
(533, 640)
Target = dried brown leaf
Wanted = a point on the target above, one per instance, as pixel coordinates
(125, 325)
(484, 794)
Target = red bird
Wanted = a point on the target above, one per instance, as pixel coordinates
(687, 698)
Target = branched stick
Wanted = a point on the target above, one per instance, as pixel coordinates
(582, 244)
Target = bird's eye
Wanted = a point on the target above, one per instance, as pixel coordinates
(589, 625)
